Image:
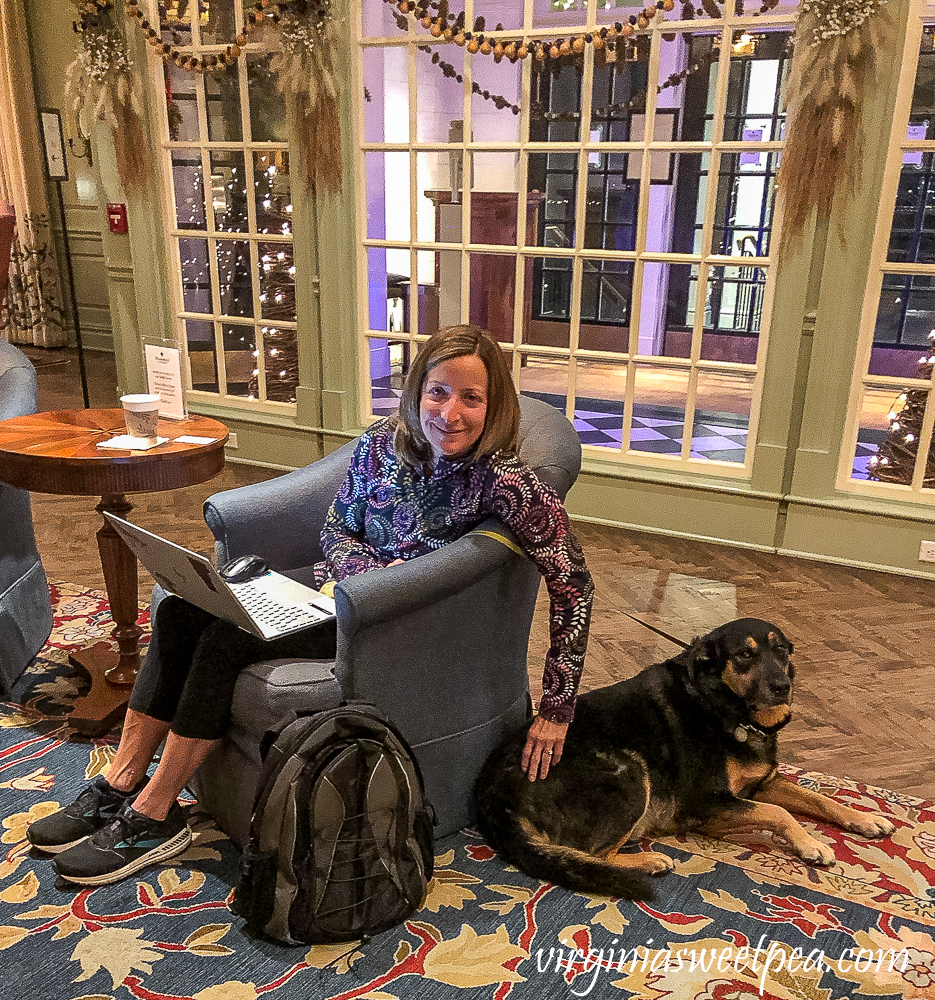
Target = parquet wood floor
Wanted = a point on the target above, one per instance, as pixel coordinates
(865, 697)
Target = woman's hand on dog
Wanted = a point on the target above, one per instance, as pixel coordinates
(543, 747)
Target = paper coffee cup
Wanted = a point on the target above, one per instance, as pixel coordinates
(141, 412)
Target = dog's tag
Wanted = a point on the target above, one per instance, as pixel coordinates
(740, 734)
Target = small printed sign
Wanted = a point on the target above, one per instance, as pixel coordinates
(913, 158)
(164, 377)
(753, 159)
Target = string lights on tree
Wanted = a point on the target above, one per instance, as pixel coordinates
(275, 277)
(276, 263)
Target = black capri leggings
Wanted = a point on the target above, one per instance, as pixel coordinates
(193, 660)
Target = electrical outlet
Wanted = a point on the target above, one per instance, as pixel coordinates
(927, 552)
(232, 443)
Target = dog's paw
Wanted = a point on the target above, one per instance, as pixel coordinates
(814, 853)
(651, 862)
(657, 864)
(868, 825)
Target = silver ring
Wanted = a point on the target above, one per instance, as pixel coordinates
(549, 752)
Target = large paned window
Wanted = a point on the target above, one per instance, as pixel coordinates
(229, 197)
(608, 219)
(889, 448)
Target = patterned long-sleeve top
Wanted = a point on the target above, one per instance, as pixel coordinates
(386, 511)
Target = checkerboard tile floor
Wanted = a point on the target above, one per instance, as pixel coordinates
(716, 436)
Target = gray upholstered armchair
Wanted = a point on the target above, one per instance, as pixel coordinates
(25, 611)
(439, 643)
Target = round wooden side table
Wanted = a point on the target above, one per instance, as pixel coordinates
(57, 453)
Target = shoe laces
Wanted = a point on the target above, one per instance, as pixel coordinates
(95, 797)
(129, 825)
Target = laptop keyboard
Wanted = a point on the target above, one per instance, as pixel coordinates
(274, 614)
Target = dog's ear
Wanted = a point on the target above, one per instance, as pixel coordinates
(702, 655)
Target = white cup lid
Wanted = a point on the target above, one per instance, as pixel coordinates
(141, 401)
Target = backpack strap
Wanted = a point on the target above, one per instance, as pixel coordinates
(403, 778)
(274, 732)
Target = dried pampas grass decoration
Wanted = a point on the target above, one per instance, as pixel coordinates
(835, 55)
(305, 76)
(99, 81)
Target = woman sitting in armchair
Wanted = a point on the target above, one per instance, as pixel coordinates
(418, 480)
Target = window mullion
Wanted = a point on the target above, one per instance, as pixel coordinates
(467, 173)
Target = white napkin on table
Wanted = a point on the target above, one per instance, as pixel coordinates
(127, 443)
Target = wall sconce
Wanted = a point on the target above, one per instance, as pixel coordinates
(85, 141)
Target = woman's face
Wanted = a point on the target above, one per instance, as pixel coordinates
(453, 406)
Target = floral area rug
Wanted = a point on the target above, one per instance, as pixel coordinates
(732, 921)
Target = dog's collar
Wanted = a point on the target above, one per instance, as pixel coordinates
(742, 731)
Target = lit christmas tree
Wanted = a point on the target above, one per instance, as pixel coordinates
(895, 461)
(277, 280)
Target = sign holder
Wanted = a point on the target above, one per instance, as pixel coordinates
(164, 377)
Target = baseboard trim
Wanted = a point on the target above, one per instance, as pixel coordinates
(690, 536)
(859, 564)
(95, 340)
(816, 557)
(231, 460)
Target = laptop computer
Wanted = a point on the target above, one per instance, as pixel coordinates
(268, 606)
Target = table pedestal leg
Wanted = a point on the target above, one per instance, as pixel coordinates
(112, 672)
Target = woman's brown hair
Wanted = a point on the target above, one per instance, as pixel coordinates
(501, 426)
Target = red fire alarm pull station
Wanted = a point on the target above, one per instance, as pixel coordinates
(117, 218)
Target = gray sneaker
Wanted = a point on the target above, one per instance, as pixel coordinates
(130, 841)
(94, 808)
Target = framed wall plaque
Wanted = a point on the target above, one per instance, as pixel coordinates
(53, 144)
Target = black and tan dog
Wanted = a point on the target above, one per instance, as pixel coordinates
(688, 744)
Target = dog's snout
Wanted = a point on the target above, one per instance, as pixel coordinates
(780, 686)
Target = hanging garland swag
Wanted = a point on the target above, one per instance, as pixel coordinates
(303, 69)
(99, 80)
(835, 43)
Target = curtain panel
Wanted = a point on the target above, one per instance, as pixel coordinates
(32, 308)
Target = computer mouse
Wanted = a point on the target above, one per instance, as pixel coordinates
(243, 568)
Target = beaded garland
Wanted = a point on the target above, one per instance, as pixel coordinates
(448, 70)
(451, 28)
(222, 60)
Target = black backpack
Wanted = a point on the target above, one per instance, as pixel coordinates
(341, 843)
